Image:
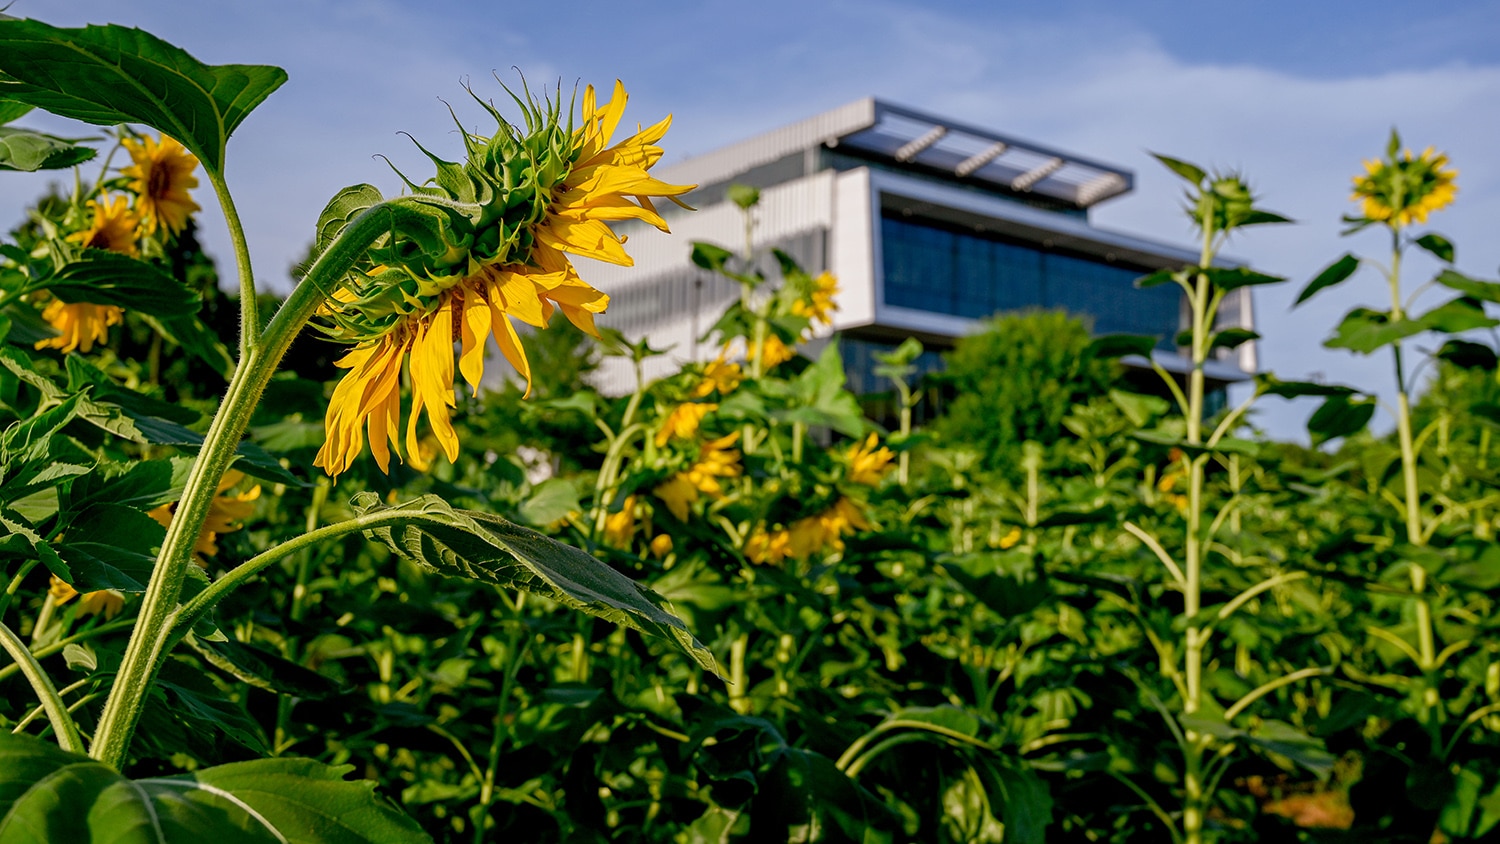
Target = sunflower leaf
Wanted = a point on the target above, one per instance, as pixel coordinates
(21, 149)
(477, 545)
(47, 794)
(111, 74)
(1332, 274)
(109, 278)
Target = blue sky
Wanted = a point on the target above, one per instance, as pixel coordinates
(1292, 94)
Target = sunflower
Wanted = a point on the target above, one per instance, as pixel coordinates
(819, 306)
(114, 228)
(715, 460)
(683, 421)
(719, 375)
(1404, 188)
(105, 602)
(868, 464)
(79, 325)
(225, 515)
(533, 198)
(160, 176)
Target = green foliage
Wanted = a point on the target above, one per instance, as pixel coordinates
(47, 795)
(1017, 379)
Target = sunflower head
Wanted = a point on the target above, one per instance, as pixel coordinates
(1403, 188)
(114, 227)
(483, 241)
(161, 173)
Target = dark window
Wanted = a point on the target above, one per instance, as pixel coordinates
(948, 271)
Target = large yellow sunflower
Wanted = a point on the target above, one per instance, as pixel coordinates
(1404, 188)
(161, 175)
(409, 318)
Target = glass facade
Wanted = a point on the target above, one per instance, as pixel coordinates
(944, 270)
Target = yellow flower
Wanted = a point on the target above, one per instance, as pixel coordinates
(599, 187)
(767, 548)
(683, 421)
(1010, 539)
(226, 513)
(867, 464)
(160, 176)
(678, 493)
(79, 325)
(1405, 189)
(661, 546)
(715, 461)
(512, 263)
(819, 305)
(825, 531)
(114, 227)
(107, 602)
(775, 353)
(619, 527)
(719, 375)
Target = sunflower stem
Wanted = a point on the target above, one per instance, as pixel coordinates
(249, 308)
(152, 636)
(57, 713)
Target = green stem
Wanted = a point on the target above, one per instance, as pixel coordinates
(249, 308)
(190, 613)
(153, 630)
(57, 713)
(57, 647)
(497, 738)
(15, 583)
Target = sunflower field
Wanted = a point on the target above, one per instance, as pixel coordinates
(296, 571)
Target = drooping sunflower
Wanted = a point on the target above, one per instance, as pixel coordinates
(1402, 189)
(160, 177)
(521, 204)
(79, 324)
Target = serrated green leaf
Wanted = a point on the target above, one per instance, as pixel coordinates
(1231, 338)
(1120, 345)
(1457, 315)
(107, 75)
(1189, 172)
(1270, 385)
(1468, 355)
(1332, 274)
(1438, 245)
(29, 151)
(1488, 291)
(11, 111)
(709, 256)
(552, 500)
(1155, 279)
(483, 547)
(48, 795)
(102, 277)
(1232, 278)
(1340, 416)
(1363, 330)
(263, 669)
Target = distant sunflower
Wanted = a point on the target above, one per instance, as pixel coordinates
(161, 175)
(508, 260)
(1404, 188)
(114, 228)
(79, 325)
(226, 513)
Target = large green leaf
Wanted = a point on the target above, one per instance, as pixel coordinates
(484, 547)
(49, 796)
(23, 149)
(1363, 330)
(109, 278)
(113, 74)
(1333, 274)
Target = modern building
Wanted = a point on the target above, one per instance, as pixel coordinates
(929, 225)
